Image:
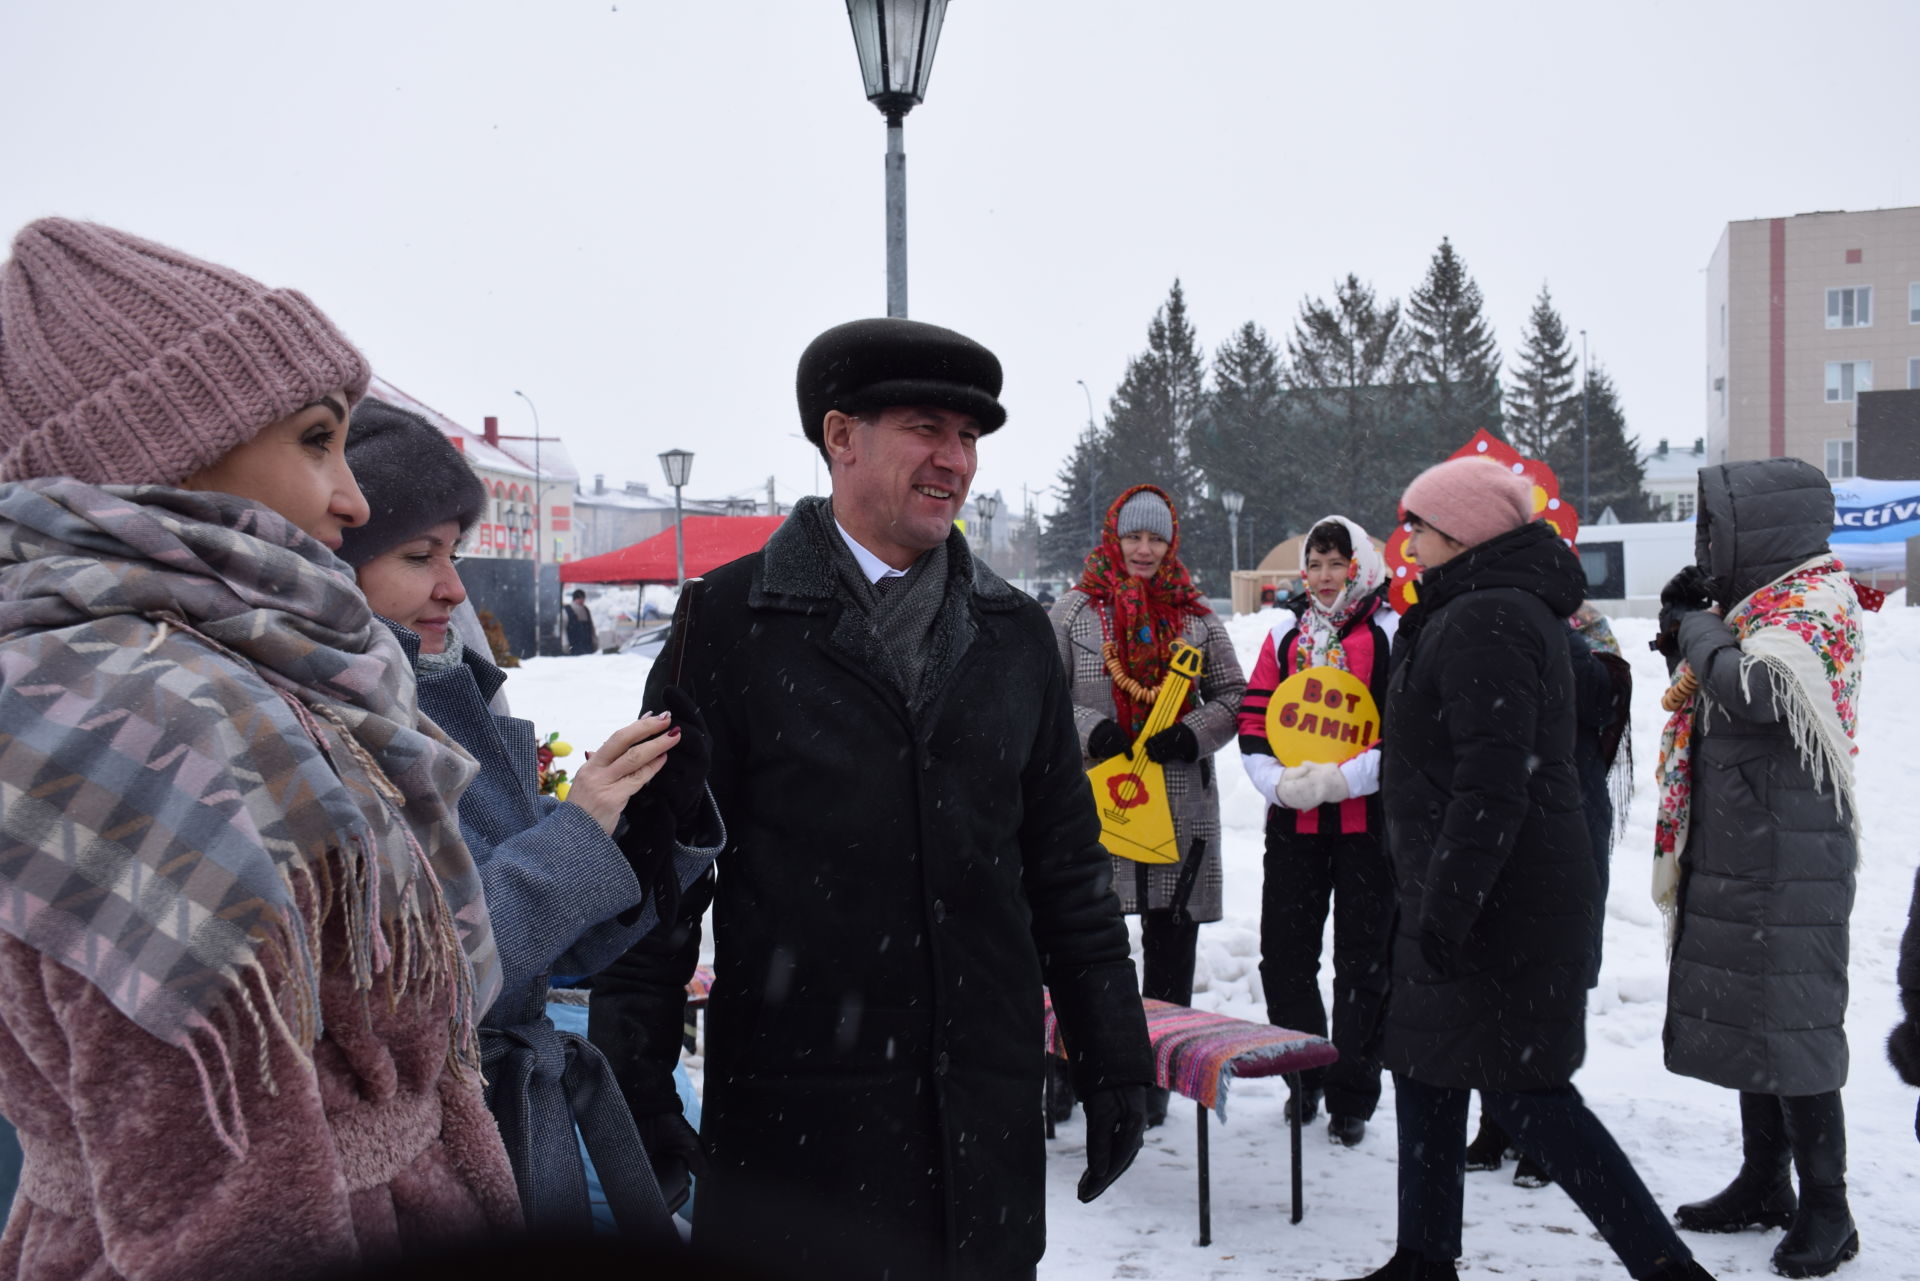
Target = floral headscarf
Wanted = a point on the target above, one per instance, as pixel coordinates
(1141, 616)
(1321, 625)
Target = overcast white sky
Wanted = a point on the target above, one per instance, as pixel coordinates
(639, 212)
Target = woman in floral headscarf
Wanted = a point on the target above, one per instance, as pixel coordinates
(1324, 826)
(1116, 629)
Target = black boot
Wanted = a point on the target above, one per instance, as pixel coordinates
(1156, 1108)
(1345, 1130)
(1667, 1270)
(1309, 1104)
(1823, 1235)
(1488, 1146)
(1531, 1174)
(1411, 1265)
(1761, 1195)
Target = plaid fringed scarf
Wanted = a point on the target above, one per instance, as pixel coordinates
(1802, 633)
(1142, 616)
(202, 728)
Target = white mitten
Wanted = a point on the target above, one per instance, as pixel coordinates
(1333, 782)
(1309, 786)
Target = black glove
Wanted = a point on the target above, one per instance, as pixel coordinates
(673, 1147)
(1116, 1122)
(681, 784)
(1440, 953)
(1107, 740)
(1174, 743)
(1687, 592)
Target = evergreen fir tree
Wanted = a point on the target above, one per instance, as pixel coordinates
(1616, 478)
(1071, 531)
(1238, 442)
(1542, 401)
(1148, 439)
(1453, 351)
(1347, 409)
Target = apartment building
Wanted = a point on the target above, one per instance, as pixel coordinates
(1804, 314)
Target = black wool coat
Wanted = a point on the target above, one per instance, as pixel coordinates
(895, 890)
(1485, 828)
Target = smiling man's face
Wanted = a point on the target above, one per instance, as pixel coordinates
(900, 476)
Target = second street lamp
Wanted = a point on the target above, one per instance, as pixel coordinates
(986, 505)
(678, 465)
(1232, 500)
(895, 40)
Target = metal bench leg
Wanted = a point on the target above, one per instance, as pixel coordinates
(1206, 1181)
(1297, 1123)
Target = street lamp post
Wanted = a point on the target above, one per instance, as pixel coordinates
(539, 528)
(895, 40)
(1093, 478)
(1233, 500)
(1586, 434)
(678, 464)
(987, 505)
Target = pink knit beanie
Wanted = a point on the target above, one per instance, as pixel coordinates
(1469, 499)
(125, 362)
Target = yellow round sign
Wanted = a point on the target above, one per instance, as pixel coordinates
(1321, 714)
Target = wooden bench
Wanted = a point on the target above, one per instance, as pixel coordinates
(1197, 1055)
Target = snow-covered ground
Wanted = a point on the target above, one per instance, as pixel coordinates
(1682, 1134)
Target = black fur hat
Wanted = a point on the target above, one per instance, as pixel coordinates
(412, 476)
(865, 365)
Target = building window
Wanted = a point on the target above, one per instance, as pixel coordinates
(1913, 373)
(1720, 387)
(1850, 308)
(1723, 322)
(1839, 459)
(1913, 304)
(1848, 378)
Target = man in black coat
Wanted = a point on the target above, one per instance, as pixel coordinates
(913, 851)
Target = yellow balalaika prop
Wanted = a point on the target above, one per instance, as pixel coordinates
(1130, 791)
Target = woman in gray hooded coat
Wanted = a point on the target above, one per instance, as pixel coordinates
(1757, 842)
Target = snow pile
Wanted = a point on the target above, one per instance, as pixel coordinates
(1682, 1134)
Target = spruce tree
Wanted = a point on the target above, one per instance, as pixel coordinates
(1453, 351)
(1239, 444)
(1543, 403)
(1616, 477)
(1071, 531)
(1148, 439)
(1346, 410)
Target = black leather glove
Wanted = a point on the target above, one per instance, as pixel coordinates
(1107, 740)
(1440, 953)
(673, 1147)
(1116, 1123)
(1174, 743)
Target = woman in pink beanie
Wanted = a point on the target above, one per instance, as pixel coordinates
(242, 946)
(1496, 887)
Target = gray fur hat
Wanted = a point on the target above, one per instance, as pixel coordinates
(412, 476)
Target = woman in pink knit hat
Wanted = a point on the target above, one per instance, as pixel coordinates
(1496, 886)
(242, 946)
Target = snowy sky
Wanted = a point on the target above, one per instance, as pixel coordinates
(638, 213)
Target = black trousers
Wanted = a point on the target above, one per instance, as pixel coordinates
(1553, 1127)
(1167, 945)
(1303, 875)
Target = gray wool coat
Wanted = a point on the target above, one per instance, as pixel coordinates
(564, 900)
(1757, 994)
(1193, 789)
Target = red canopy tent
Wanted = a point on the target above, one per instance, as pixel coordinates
(712, 541)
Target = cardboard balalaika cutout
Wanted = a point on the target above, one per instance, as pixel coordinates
(1130, 791)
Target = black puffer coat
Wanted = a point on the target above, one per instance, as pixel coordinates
(894, 890)
(1757, 993)
(1485, 828)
